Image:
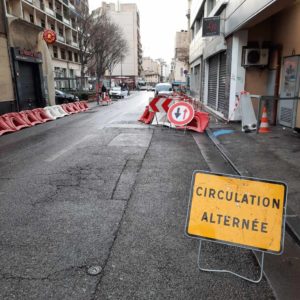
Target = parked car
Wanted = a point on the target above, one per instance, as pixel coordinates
(117, 92)
(163, 88)
(62, 97)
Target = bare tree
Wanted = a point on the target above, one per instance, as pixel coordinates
(109, 46)
(88, 25)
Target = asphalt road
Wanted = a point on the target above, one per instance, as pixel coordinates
(98, 189)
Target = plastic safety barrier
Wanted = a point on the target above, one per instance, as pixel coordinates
(55, 111)
(51, 112)
(41, 115)
(106, 100)
(84, 105)
(30, 117)
(199, 122)
(15, 121)
(4, 128)
(147, 116)
(78, 106)
(69, 108)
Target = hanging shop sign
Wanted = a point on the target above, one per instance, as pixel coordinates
(241, 211)
(211, 26)
(49, 36)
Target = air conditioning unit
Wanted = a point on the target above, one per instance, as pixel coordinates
(255, 57)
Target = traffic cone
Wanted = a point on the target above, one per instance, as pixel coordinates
(264, 122)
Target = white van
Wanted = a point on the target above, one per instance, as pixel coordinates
(163, 88)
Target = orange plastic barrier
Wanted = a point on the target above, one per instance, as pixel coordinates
(4, 127)
(78, 106)
(69, 108)
(199, 122)
(147, 116)
(84, 104)
(41, 115)
(30, 117)
(15, 121)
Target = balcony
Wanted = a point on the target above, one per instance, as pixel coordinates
(75, 44)
(49, 11)
(59, 17)
(61, 38)
(66, 21)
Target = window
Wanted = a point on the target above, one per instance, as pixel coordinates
(62, 54)
(50, 5)
(74, 38)
(60, 32)
(52, 27)
(75, 57)
(31, 18)
(43, 23)
(55, 53)
(70, 55)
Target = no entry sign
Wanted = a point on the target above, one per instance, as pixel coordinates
(242, 211)
(181, 113)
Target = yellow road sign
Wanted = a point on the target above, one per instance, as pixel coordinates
(242, 211)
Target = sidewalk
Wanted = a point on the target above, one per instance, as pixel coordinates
(275, 156)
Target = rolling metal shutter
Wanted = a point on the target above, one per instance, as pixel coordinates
(213, 81)
(222, 101)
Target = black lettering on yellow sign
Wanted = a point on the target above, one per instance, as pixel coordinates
(238, 198)
(235, 222)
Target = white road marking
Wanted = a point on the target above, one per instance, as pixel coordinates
(69, 148)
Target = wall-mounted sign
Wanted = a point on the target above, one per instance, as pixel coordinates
(241, 211)
(211, 26)
(49, 36)
(27, 55)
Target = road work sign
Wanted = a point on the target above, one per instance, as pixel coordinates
(241, 211)
(181, 113)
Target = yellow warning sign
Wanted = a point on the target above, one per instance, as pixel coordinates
(243, 211)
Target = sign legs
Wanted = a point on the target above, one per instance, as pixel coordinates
(230, 272)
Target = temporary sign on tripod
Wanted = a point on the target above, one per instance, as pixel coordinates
(241, 211)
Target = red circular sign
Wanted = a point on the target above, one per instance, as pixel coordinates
(181, 113)
(49, 36)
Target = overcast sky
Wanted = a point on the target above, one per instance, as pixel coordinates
(160, 19)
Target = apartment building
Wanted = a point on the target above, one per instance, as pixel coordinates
(7, 97)
(38, 67)
(257, 50)
(151, 71)
(180, 63)
(128, 18)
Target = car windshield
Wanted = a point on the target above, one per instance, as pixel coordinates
(163, 87)
(117, 88)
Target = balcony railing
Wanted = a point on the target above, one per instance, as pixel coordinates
(75, 44)
(72, 6)
(61, 38)
(67, 21)
(59, 17)
(49, 11)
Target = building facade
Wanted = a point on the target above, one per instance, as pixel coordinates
(7, 95)
(181, 60)
(151, 71)
(39, 68)
(128, 18)
(256, 39)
